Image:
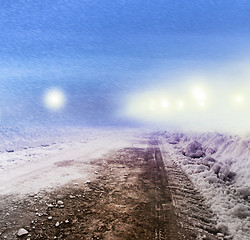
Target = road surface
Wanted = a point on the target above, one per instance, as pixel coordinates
(134, 194)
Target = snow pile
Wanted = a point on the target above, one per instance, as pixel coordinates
(194, 150)
(219, 166)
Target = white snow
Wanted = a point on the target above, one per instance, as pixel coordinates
(219, 167)
(217, 164)
(29, 170)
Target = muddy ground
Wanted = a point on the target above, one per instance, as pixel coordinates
(129, 198)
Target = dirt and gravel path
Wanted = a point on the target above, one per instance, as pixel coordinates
(135, 194)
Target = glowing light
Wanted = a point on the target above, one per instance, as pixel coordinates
(239, 99)
(149, 105)
(197, 105)
(199, 94)
(54, 99)
(202, 104)
(152, 105)
(164, 104)
(180, 105)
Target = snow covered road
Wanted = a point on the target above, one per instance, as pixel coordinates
(132, 178)
(110, 168)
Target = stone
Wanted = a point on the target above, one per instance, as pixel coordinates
(22, 232)
(60, 202)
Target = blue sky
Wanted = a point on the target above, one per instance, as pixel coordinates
(97, 52)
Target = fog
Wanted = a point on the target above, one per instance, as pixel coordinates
(213, 100)
(138, 63)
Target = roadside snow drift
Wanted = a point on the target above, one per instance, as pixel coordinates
(219, 166)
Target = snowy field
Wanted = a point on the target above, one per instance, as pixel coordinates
(30, 159)
(219, 167)
(217, 164)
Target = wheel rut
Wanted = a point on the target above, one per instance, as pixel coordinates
(188, 203)
(135, 195)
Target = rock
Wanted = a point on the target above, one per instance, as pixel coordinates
(60, 202)
(50, 218)
(57, 224)
(67, 221)
(9, 150)
(220, 234)
(22, 232)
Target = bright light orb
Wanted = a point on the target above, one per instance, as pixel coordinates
(239, 99)
(164, 104)
(54, 99)
(199, 94)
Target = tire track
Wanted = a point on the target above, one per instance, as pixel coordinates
(188, 204)
(135, 194)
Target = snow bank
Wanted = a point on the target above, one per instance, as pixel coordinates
(219, 166)
(43, 159)
(20, 137)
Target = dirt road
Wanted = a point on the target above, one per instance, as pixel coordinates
(134, 195)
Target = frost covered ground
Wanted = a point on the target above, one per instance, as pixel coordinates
(217, 164)
(219, 167)
(30, 159)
